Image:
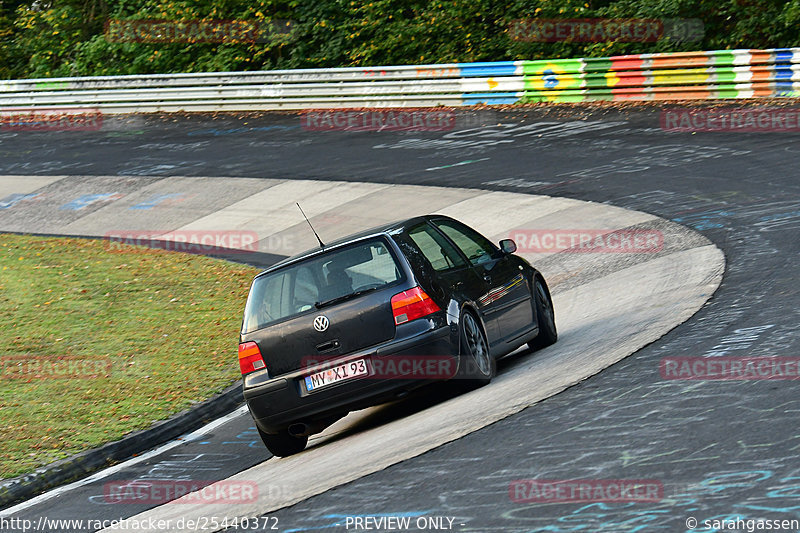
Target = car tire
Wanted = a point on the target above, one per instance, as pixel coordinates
(283, 444)
(546, 316)
(481, 366)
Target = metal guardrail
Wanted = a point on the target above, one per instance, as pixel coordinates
(668, 76)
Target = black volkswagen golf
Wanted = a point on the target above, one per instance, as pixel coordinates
(368, 318)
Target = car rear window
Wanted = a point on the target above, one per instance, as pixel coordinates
(315, 282)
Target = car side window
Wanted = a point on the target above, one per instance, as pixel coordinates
(306, 291)
(269, 300)
(439, 253)
(475, 246)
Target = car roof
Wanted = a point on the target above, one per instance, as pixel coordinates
(384, 229)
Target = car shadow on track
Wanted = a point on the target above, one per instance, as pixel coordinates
(418, 400)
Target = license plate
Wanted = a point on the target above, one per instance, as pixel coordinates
(336, 374)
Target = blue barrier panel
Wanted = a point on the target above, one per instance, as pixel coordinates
(783, 73)
(486, 69)
(490, 98)
(783, 55)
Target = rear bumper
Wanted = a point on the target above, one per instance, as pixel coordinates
(278, 402)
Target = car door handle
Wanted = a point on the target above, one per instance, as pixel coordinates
(330, 345)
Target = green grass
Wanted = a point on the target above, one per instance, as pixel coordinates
(154, 331)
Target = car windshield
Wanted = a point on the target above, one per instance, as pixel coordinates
(322, 280)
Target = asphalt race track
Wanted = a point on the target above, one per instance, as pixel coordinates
(720, 449)
(637, 296)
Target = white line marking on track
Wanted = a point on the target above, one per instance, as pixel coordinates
(130, 462)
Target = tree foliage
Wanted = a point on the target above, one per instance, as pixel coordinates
(49, 38)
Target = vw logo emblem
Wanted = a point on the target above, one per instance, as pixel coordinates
(321, 323)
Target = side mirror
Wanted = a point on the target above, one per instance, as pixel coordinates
(508, 246)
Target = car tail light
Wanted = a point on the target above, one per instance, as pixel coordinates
(250, 357)
(412, 304)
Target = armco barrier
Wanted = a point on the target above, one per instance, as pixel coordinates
(669, 76)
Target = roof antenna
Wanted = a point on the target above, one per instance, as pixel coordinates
(321, 244)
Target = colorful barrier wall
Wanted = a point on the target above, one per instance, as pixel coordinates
(676, 76)
(668, 76)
